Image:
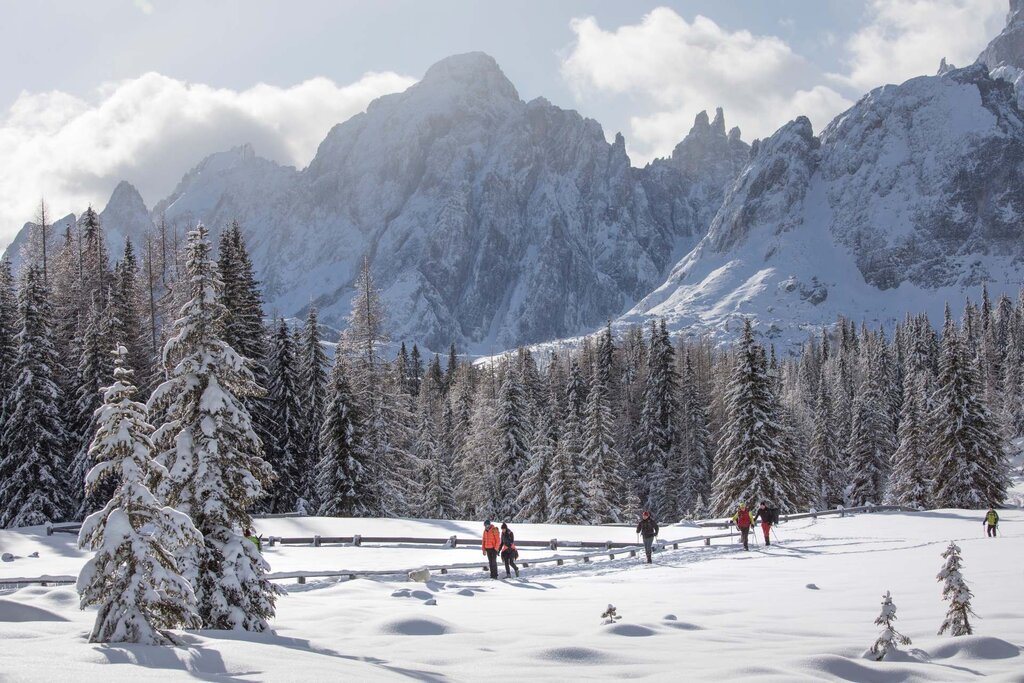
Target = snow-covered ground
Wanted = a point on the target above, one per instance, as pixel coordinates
(799, 610)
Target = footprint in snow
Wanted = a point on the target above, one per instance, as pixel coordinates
(813, 587)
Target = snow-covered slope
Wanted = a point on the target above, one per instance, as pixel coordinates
(54, 238)
(912, 197)
(799, 610)
(489, 221)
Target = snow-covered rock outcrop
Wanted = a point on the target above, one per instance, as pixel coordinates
(913, 196)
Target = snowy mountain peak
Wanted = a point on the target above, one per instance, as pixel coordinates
(718, 125)
(476, 73)
(1007, 49)
(125, 217)
(126, 198)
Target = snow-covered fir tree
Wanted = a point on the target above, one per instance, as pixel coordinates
(567, 500)
(215, 468)
(314, 367)
(752, 459)
(828, 475)
(695, 440)
(243, 328)
(436, 498)
(970, 463)
(533, 497)
(513, 454)
(8, 332)
(285, 451)
(134, 579)
(343, 485)
(889, 639)
(910, 484)
(33, 480)
(602, 466)
(871, 442)
(94, 371)
(956, 592)
(657, 432)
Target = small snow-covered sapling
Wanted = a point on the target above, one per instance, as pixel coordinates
(610, 616)
(956, 591)
(889, 638)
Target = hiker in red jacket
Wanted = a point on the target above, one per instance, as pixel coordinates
(767, 516)
(743, 522)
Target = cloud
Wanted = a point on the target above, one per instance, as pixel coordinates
(907, 38)
(145, 6)
(152, 129)
(678, 68)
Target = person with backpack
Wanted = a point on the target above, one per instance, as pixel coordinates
(768, 517)
(253, 538)
(509, 554)
(991, 523)
(743, 522)
(491, 544)
(648, 528)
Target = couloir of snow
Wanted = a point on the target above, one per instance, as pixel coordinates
(799, 610)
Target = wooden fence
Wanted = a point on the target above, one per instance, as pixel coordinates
(608, 549)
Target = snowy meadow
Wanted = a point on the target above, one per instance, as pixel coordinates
(801, 609)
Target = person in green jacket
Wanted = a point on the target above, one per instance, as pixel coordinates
(991, 522)
(249, 535)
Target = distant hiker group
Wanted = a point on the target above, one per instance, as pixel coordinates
(744, 521)
(503, 543)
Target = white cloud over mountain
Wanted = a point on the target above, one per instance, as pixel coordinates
(151, 129)
(674, 68)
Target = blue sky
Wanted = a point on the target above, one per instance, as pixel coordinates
(93, 92)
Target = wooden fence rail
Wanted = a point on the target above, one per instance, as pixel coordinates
(610, 550)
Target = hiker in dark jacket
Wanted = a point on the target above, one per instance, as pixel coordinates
(648, 528)
(509, 554)
(743, 522)
(991, 522)
(767, 517)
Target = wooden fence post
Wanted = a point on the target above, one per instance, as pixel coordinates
(316, 541)
(302, 579)
(357, 540)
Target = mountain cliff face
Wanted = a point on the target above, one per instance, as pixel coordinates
(912, 197)
(489, 221)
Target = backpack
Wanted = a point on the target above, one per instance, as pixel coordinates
(773, 515)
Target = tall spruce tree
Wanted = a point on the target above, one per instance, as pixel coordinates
(910, 484)
(214, 459)
(695, 441)
(513, 454)
(601, 462)
(285, 451)
(970, 464)
(313, 386)
(33, 480)
(751, 463)
(828, 473)
(343, 484)
(533, 496)
(871, 440)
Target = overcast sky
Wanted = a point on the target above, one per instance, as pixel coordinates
(99, 91)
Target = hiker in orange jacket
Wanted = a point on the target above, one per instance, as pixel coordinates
(491, 545)
(743, 522)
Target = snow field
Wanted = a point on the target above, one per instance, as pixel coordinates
(696, 614)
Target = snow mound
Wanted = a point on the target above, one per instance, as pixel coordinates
(976, 647)
(418, 626)
(406, 593)
(631, 630)
(11, 611)
(576, 655)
